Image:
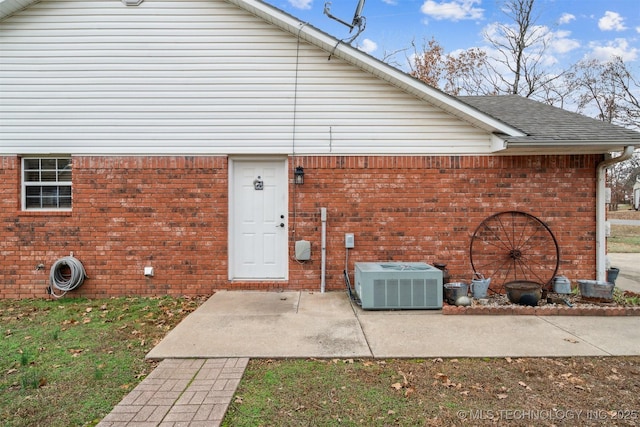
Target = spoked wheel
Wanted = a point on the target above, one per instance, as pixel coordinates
(512, 246)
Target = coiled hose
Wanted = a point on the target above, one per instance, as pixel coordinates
(66, 282)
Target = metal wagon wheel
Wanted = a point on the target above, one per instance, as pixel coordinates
(514, 245)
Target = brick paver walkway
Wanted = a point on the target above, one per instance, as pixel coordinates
(180, 392)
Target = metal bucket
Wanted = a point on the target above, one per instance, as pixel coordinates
(596, 289)
(561, 285)
(455, 290)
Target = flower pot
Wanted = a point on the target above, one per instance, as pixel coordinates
(523, 292)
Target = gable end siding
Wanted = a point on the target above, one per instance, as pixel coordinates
(197, 77)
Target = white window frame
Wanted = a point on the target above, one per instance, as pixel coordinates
(57, 181)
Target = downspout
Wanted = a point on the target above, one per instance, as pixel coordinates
(601, 240)
(323, 248)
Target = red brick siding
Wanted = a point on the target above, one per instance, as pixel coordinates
(427, 208)
(170, 212)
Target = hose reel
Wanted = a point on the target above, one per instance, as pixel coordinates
(66, 275)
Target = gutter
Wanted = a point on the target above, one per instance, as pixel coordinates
(601, 239)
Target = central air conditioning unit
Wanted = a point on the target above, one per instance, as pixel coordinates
(398, 285)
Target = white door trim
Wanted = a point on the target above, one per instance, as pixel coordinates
(232, 224)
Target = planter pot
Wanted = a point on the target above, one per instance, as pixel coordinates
(596, 289)
(523, 292)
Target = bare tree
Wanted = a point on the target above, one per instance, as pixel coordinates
(459, 73)
(606, 91)
(519, 47)
(621, 178)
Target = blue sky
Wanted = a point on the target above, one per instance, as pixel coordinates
(580, 28)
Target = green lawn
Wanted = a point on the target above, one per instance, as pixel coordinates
(68, 362)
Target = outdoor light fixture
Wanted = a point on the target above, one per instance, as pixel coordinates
(298, 175)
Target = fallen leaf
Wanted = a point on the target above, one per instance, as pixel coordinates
(437, 360)
(89, 309)
(502, 396)
(465, 393)
(396, 386)
(238, 400)
(523, 384)
(571, 340)
(508, 359)
(409, 391)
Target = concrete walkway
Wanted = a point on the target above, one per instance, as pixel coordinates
(204, 357)
(306, 324)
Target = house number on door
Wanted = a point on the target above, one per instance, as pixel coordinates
(258, 184)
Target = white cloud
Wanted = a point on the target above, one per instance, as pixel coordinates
(611, 21)
(566, 18)
(368, 46)
(561, 43)
(638, 30)
(301, 4)
(617, 47)
(391, 2)
(454, 10)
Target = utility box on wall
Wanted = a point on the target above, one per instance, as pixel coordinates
(398, 285)
(303, 250)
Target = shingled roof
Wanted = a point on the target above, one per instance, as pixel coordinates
(547, 126)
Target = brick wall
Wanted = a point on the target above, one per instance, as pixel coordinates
(427, 208)
(171, 213)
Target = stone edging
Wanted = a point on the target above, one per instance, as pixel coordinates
(541, 311)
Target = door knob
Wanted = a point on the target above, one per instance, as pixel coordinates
(281, 225)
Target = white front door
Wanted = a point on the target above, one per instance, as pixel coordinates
(258, 219)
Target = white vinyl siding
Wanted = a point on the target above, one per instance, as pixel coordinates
(197, 77)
